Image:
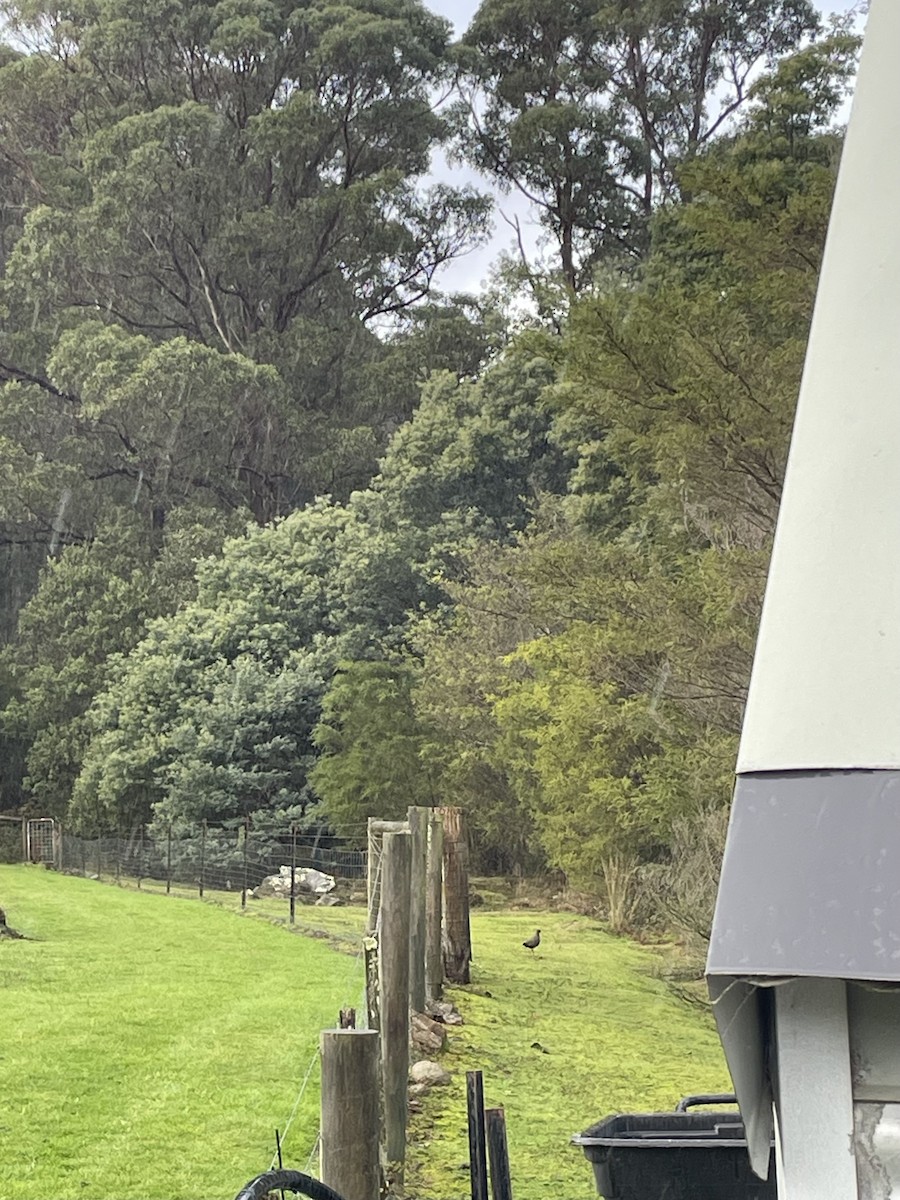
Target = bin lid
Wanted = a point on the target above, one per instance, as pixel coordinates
(667, 1130)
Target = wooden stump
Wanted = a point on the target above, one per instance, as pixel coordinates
(6, 931)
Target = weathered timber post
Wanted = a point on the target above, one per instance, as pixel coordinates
(457, 935)
(373, 989)
(434, 882)
(477, 1141)
(373, 876)
(393, 962)
(498, 1154)
(418, 829)
(376, 831)
(202, 854)
(349, 1156)
(293, 874)
(245, 862)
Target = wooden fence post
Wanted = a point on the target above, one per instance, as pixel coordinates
(477, 1143)
(458, 938)
(376, 829)
(434, 880)
(373, 990)
(498, 1154)
(202, 854)
(349, 1157)
(393, 956)
(373, 876)
(418, 829)
(293, 905)
(245, 862)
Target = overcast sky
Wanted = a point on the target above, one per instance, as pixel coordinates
(460, 11)
(470, 272)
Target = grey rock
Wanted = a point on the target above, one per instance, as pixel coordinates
(443, 1011)
(429, 1073)
(428, 1036)
(316, 883)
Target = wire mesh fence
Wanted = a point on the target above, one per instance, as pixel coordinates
(239, 859)
(12, 839)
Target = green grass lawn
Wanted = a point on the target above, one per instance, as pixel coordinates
(150, 1046)
(612, 1038)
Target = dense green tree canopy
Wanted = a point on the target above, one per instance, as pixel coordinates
(373, 758)
(215, 219)
(92, 600)
(591, 683)
(591, 108)
(211, 715)
(292, 534)
(248, 188)
(253, 654)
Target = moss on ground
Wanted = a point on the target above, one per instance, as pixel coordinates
(582, 1029)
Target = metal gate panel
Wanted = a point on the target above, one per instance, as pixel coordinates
(41, 841)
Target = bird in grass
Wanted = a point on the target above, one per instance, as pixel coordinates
(533, 942)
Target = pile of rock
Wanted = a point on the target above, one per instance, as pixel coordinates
(307, 882)
(428, 1034)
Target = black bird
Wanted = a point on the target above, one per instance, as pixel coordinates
(533, 942)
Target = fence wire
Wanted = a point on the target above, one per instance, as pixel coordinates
(237, 859)
(11, 839)
(207, 858)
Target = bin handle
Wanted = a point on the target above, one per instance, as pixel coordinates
(691, 1101)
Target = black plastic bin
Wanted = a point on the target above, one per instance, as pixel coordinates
(677, 1155)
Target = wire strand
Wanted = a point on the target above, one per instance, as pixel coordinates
(290, 1120)
(351, 986)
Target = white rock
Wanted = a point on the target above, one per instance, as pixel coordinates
(429, 1073)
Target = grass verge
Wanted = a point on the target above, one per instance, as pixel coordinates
(581, 1029)
(151, 1047)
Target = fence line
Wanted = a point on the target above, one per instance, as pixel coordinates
(353, 989)
(235, 858)
(216, 858)
(238, 857)
(12, 839)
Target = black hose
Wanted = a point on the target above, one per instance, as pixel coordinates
(288, 1181)
(692, 1101)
